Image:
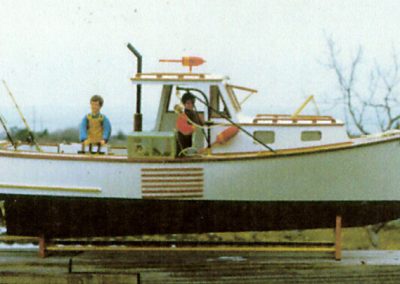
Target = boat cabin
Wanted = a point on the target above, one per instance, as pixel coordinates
(217, 101)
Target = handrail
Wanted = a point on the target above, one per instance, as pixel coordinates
(283, 118)
(161, 74)
(176, 76)
(288, 115)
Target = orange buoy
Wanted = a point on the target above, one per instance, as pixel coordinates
(227, 135)
(183, 126)
(187, 61)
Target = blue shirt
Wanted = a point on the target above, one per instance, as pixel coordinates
(83, 128)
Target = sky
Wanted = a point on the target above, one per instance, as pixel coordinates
(54, 55)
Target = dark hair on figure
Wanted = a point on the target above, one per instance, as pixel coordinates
(97, 98)
(188, 96)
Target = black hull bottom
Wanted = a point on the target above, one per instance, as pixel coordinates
(80, 217)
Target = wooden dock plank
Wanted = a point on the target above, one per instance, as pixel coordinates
(205, 266)
(67, 278)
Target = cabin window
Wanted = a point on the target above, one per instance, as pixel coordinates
(267, 137)
(311, 136)
(166, 93)
(217, 103)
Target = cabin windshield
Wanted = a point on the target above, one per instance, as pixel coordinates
(217, 103)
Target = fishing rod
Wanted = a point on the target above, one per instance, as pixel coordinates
(31, 135)
(209, 107)
(3, 123)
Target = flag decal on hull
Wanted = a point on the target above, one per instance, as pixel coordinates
(172, 183)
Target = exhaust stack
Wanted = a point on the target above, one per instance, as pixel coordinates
(137, 118)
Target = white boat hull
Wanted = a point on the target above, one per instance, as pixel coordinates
(293, 189)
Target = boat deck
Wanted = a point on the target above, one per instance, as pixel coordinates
(119, 154)
(200, 267)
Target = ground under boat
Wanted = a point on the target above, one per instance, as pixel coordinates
(278, 172)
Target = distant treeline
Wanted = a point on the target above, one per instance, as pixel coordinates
(68, 135)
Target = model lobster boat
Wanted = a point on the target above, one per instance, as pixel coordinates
(274, 172)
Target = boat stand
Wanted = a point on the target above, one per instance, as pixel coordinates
(338, 238)
(47, 245)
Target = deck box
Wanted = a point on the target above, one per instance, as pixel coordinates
(151, 144)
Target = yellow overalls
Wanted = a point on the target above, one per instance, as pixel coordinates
(95, 128)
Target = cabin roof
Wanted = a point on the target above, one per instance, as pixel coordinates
(177, 77)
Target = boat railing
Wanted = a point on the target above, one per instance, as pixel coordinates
(285, 118)
(65, 148)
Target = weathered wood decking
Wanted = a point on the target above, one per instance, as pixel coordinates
(200, 267)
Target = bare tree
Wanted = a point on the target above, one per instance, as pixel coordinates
(387, 108)
(379, 98)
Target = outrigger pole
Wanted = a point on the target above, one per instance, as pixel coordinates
(137, 118)
(223, 116)
(31, 135)
(3, 123)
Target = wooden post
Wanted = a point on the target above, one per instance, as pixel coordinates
(42, 246)
(338, 238)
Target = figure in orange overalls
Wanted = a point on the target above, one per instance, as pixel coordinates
(95, 128)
